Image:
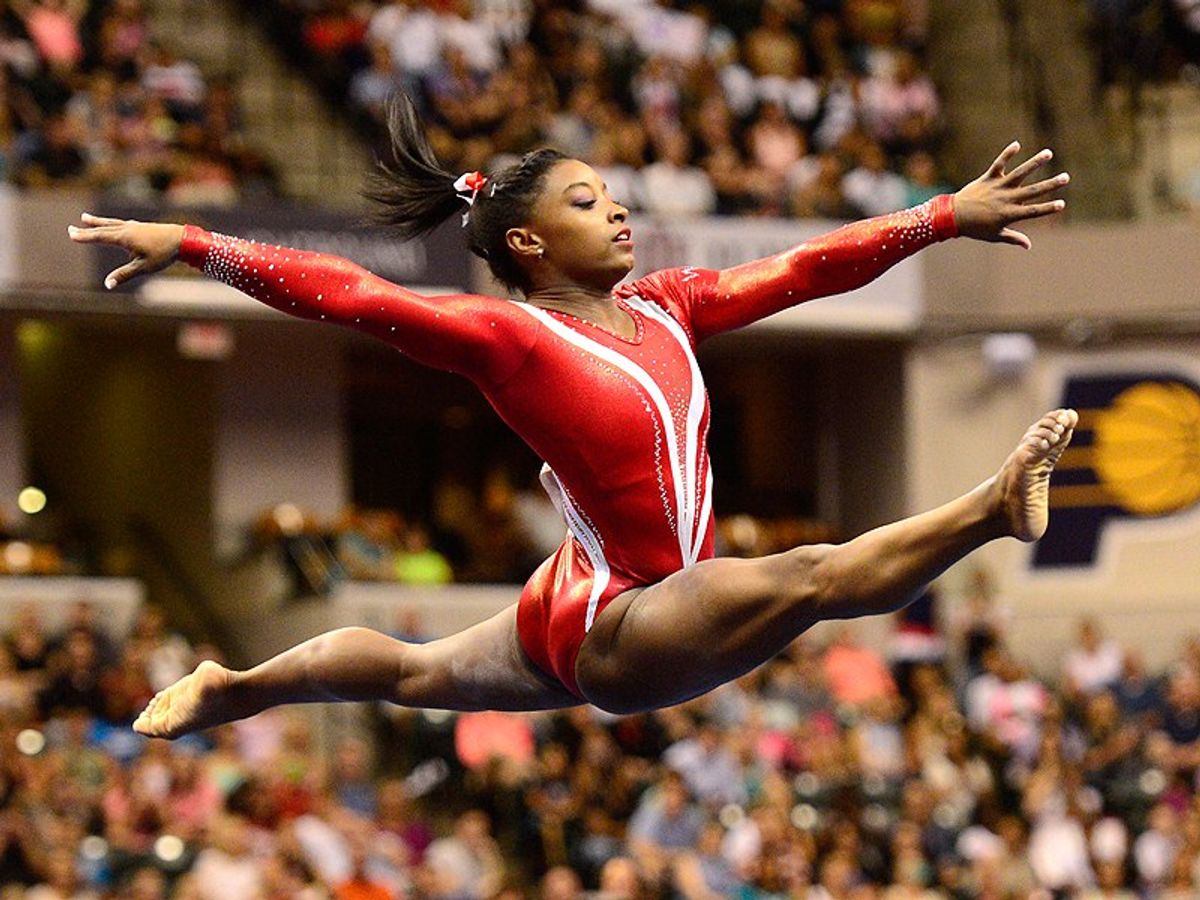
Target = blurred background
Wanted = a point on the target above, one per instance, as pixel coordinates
(185, 474)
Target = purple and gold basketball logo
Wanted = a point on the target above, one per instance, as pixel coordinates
(1135, 456)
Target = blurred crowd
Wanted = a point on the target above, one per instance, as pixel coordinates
(91, 97)
(834, 771)
(498, 534)
(781, 107)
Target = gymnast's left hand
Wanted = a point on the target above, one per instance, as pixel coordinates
(987, 207)
(152, 245)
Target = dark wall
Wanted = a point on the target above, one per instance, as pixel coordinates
(119, 430)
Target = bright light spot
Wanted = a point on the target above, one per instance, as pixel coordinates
(31, 742)
(168, 848)
(94, 847)
(807, 784)
(31, 500)
(1153, 782)
(804, 816)
(34, 335)
(18, 556)
(875, 817)
(731, 814)
(947, 816)
(289, 518)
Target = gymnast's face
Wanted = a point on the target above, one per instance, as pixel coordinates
(577, 232)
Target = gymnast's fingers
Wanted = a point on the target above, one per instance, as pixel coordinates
(89, 219)
(997, 168)
(98, 234)
(1012, 236)
(1027, 168)
(1033, 191)
(1035, 210)
(119, 276)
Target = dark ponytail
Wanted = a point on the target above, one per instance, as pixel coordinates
(416, 194)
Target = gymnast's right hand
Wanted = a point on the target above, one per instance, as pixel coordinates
(152, 245)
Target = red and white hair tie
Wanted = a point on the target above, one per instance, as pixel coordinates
(468, 186)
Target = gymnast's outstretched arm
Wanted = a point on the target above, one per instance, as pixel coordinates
(484, 338)
(856, 254)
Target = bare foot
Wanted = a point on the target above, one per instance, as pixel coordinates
(190, 704)
(1024, 480)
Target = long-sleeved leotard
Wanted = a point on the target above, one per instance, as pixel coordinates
(622, 423)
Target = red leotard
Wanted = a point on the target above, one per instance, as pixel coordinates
(621, 423)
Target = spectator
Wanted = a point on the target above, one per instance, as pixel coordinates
(672, 187)
(351, 777)
(773, 48)
(659, 30)
(395, 816)
(474, 37)
(225, 870)
(1094, 663)
(54, 27)
(409, 30)
(417, 562)
(62, 881)
(482, 738)
(666, 822)
(621, 879)
(58, 157)
(921, 179)
(175, 81)
(900, 108)
(820, 195)
(74, 678)
(373, 87)
(776, 145)
(872, 187)
(709, 769)
(468, 864)
(27, 640)
(1137, 693)
(706, 873)
(367, 542)
(337, 32)
(856, 674)
(124, 35)
(126, 687)
(1006, 705)
(561, 883)
(168, 655)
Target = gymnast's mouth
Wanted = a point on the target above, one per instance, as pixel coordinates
(624, 236)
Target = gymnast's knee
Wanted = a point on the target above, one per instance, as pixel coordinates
(808, 575)
(604, 681)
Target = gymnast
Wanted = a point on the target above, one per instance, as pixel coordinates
(632, 612)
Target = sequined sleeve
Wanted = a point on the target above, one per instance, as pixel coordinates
(837, 262)
(484, 338)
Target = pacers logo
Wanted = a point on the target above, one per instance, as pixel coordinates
(1135, 455)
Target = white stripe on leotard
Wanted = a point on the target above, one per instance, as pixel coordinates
(578, 527)
(632, 369)
(705, 511)
(694, 529)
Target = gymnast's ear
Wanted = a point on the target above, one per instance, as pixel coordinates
(524, 244)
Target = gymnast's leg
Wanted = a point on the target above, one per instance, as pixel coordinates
(710, 623)
(482, 667)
